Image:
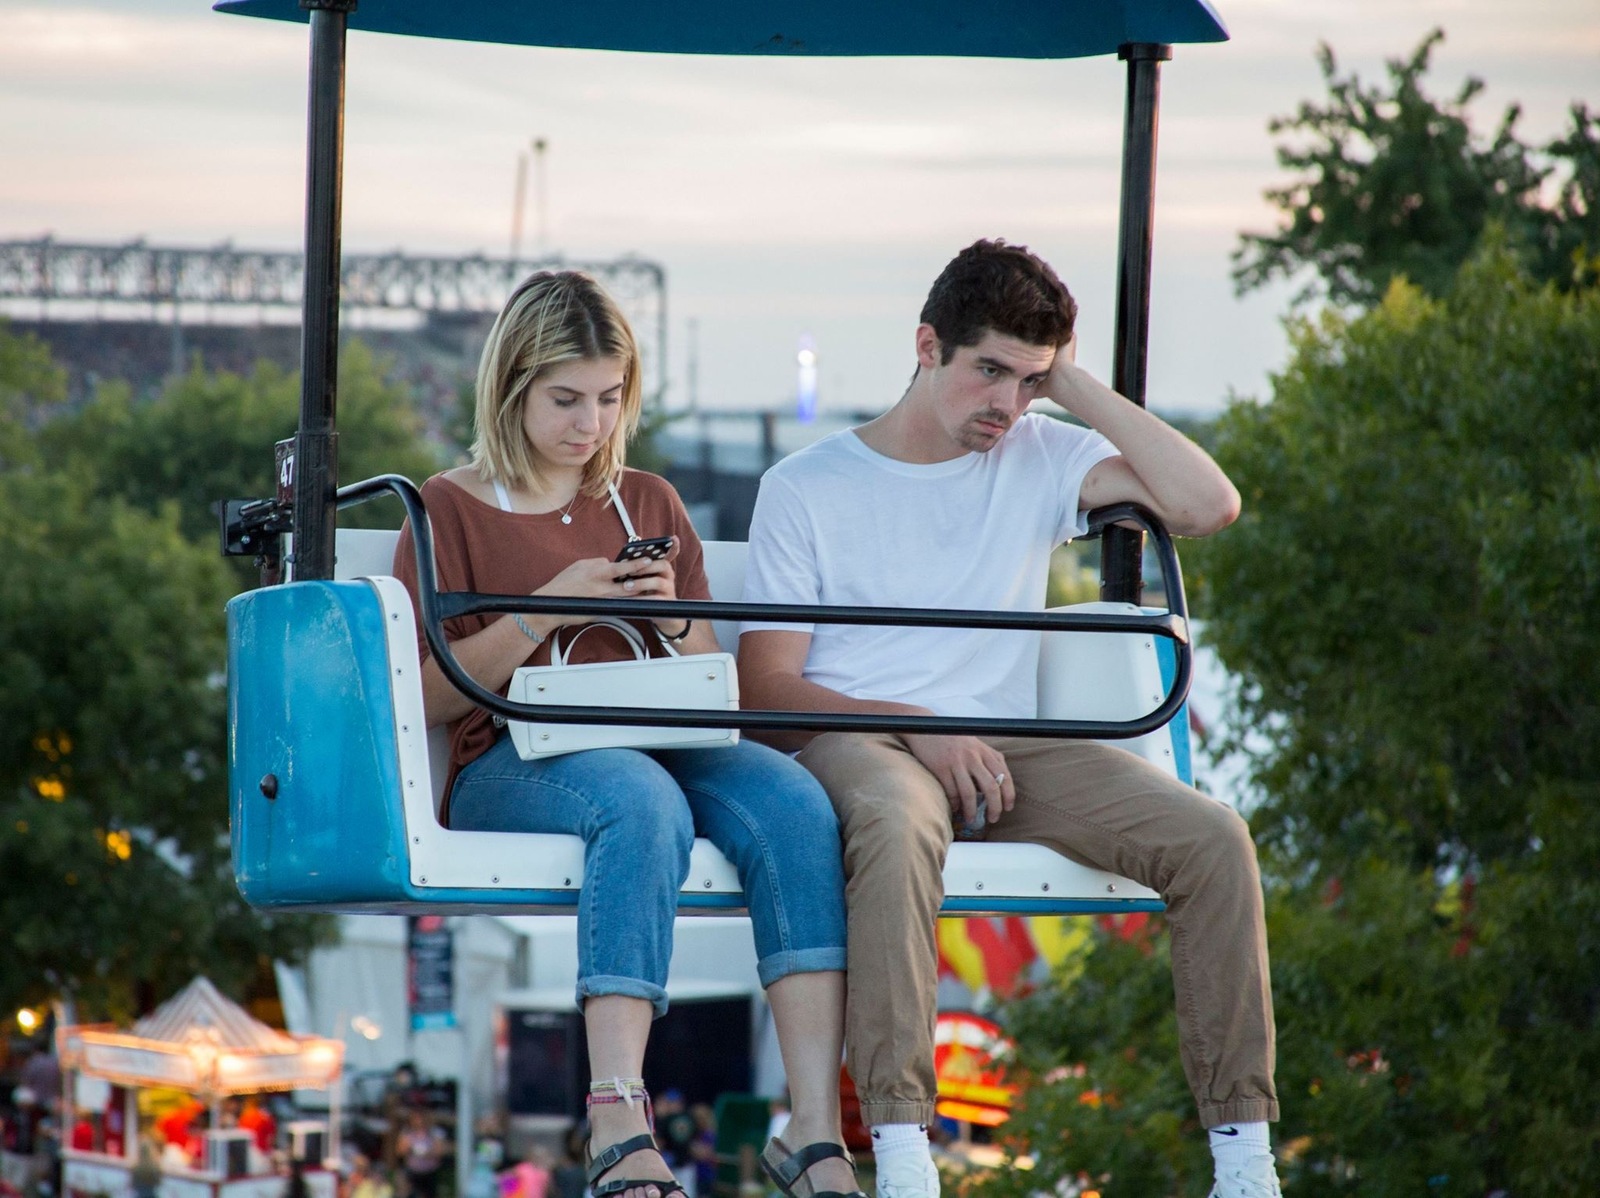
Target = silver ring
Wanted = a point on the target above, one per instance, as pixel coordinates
(999, 779)
(627, 584)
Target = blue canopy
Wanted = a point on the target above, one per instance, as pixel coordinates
(960, 28)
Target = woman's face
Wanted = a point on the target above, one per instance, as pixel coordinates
(572, 410)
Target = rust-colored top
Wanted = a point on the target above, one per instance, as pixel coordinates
(479, 547)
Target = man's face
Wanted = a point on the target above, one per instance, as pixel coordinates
(984, 388)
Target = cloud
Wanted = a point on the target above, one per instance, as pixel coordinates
(95, 47)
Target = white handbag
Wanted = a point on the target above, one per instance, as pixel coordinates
(704, 681)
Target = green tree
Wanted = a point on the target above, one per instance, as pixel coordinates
(1422, 513)
(209, 436)
(30, 385)
(114, 865)
(1393, 182)
(1408, 603)
(115, 879)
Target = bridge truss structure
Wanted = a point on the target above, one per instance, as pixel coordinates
(189, 283)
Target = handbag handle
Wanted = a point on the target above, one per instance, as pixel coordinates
(559, 652)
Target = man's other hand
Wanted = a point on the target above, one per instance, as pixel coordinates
(967, 769)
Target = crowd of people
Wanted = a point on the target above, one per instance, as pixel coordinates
(414, 1160)
(687, 1134)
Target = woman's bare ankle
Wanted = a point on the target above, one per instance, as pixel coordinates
(802, 1130)
(834, 1174)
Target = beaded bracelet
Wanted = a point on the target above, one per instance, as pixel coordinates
(530, 633)
(673, 640)
(621, 1089)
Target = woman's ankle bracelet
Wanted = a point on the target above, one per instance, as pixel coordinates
(620, 1089)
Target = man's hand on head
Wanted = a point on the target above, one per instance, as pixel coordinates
(1068, 383)
(1158, 466)
(967, 769)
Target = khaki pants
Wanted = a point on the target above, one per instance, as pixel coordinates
(1100, 806)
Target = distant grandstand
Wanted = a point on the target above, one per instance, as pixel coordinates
(141, 312)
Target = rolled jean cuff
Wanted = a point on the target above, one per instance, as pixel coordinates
(777, 966)
(875, 1111)
(603, 984)
(1244, 1110)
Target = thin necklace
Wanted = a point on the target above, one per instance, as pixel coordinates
(566, 516)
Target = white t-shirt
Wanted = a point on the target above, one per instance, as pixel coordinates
(843, 525)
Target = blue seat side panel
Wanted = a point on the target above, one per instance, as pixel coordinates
(309, 703)
(1182, 758)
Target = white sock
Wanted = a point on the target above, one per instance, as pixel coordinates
(1233, 1145)
(890, 1139)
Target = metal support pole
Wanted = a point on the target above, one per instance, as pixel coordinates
(335, 1119)
(519, 201)
(466, 1141)
(69, 1108)
(131, 1132)
(1121, 549)
(660, 274)
(541, 195)
(316, 467)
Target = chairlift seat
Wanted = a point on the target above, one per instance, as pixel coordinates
(336, 782)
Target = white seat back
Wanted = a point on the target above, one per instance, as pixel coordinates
(1107, 676)
(369, 553)
(364, 552)
(724, 561)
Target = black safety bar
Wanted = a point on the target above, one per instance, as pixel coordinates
(436, 607)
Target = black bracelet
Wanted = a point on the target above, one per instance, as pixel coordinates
(673, 640)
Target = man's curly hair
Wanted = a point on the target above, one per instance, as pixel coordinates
(993, 286)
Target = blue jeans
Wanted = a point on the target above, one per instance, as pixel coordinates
(638, 813)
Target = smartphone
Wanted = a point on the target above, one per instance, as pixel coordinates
(974, 830)
(654, 548)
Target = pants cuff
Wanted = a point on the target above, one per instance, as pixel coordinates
(896, 1110)
(801, 960)
(603, 984)
(1244, 1110)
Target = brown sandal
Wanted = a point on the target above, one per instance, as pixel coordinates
(786, 1169)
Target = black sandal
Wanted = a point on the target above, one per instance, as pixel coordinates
(625, 1089)
(608, 1160)
(784, 1168)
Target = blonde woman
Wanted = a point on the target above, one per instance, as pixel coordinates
(539, 510)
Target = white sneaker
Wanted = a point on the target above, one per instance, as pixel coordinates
(908, 1175)
(1257, 1179)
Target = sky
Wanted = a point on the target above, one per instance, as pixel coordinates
(784, 197)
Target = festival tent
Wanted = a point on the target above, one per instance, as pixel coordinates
(202, 1042)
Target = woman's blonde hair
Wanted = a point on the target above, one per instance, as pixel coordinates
(553, 317)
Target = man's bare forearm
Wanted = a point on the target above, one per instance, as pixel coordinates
(1192, 494)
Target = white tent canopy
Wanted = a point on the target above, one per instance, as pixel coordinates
(202, 1042)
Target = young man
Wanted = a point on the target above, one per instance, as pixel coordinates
(955, 498)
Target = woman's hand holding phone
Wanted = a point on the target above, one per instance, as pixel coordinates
(596, 577)
(640, 571)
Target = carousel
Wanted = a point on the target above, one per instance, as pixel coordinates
(204, 1045)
